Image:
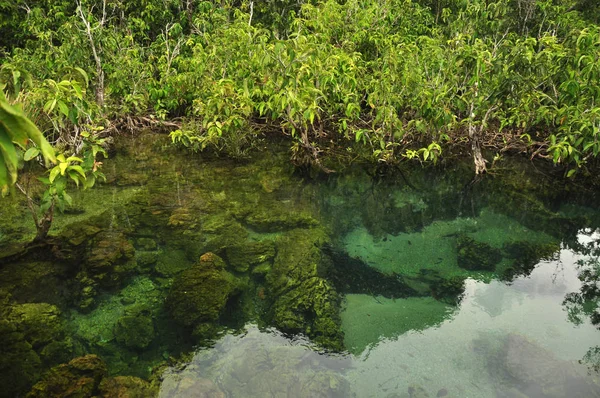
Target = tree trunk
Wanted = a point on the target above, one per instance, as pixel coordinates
(43, 225)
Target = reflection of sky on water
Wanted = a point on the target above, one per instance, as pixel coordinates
(464, 356)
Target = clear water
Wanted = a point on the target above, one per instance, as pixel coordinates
(435, 285)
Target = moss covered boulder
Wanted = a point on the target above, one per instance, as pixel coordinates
(40, 323)
(241, 257)
(200, 293)
(476, 256)
(80, 378)
(126, 387)
(109, 257)
(303, 300)
(20, 365)
(134, 331)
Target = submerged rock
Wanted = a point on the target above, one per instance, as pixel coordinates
(303, 301)
(80, 378)
(126, 387)
(200, 293)
(20, 365)
(259, 363)
(40, 323)
(473, 255)
(536, 372)
(190, 387)
(108, 258)
(134, 331)
(86, 377)
(248, 254)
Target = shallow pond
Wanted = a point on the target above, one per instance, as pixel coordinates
(191, 277)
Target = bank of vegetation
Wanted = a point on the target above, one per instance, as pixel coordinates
(385, 80)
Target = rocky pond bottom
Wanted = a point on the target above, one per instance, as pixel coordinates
(188, 277)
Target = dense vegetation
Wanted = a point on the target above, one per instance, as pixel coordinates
(382, 79)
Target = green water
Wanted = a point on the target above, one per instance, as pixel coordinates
(193, 276)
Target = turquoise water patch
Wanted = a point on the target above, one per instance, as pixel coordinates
(368, 320)
(434, 247)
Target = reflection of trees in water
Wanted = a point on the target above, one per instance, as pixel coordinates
(585, 304)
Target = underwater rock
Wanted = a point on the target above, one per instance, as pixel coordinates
(190, 387)
(273, 216)
(20, 366)
(40, 323)
(146, 244)
(126, 387)
(171, 262)
(134, 331)
(245, 255)
(108, 258)
(37, 281)
(259, 363)
(303, 301)
(80, 232)
(473, 255)
(417, 391)
(538, 372)
(80, 378)
(146, 259)
(200, 293)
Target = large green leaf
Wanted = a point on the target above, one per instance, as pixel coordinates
(4, 179)
(9, 154)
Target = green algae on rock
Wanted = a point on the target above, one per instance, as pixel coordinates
(244, 255)
(303, 300)
(86, 377)
(20, 365)
(200, 293)
(134, 331)
(80, 378)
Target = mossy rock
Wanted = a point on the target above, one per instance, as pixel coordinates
(40, 323)
(273, 216)
(171, 262)
(20, 366)
(303, 301)
(248, 254)
(134, 331)
(80, 378)
(145, 244)
(108, 253)
(200, 293)
(146, 259)
(126, 387)
(476, 256)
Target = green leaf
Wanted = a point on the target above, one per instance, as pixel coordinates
(31, 153)
(54, 173)
(9, 154)
(63, 168)
(4, 180)
(79, 170)
(571, 172)
(63, 108)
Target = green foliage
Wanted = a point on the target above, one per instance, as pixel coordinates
(17, 131)
(392, 76)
